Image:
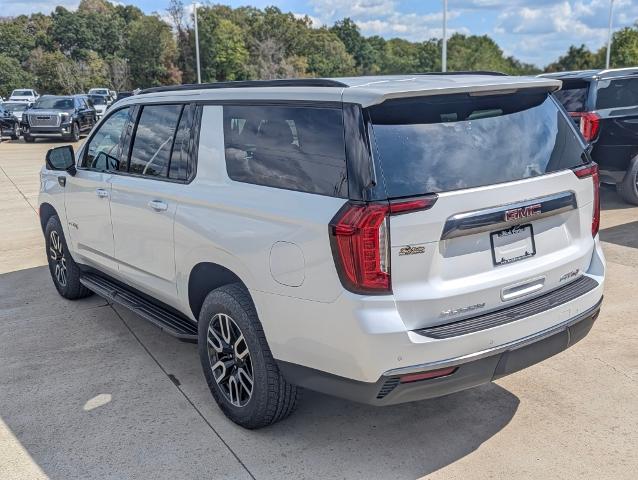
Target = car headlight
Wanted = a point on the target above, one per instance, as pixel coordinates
(65, 116)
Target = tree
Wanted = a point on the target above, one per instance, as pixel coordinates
(269, 62)
(151, 52)
(223, 52)
(624, 48)
(12, 75)
(16, 40)
(326, 54)
(576, 58)
(363, 53)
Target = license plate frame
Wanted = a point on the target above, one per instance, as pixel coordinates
(526, 239)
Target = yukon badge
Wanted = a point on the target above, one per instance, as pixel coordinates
(410, 250)
(523, 212)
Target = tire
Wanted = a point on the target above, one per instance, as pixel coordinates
(75, 133)
(16, 132)
(28, 138)
(271, 397)
(65, 273)
(628, 188)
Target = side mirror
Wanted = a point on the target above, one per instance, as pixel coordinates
(61, 159)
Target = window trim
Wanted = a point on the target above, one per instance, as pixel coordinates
(126, 142)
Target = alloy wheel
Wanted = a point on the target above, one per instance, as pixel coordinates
(230, 360)
(56, 255)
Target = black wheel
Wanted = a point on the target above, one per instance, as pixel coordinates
(64, 271)
(628, 188)
(28, 138)
(15, 135)
(75, 133)
(238, 365)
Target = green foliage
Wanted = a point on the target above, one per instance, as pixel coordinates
(12, 75)
(576, 58)
(624, 49)
(151, 52)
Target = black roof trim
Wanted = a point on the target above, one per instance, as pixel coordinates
(472, 72)
(290, 82)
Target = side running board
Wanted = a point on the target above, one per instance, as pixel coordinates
(174, 324)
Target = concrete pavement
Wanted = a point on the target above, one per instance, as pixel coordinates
(88, 390)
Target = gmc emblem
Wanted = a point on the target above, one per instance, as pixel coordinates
(522, 212)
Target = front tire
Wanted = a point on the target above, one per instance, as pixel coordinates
(238, 365)
(628, 188)
(15, 135)
(28, 138)
(65, 273)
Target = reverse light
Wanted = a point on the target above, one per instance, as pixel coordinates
(589, 124)
(360, 238)
(586, 172)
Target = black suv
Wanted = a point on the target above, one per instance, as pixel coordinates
(9, 124)
(58, 116)
(604, 104)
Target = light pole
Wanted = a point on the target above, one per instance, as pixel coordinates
(444, 49)
(611, 12)
(199, 74)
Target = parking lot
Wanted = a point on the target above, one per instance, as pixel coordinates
(89, 390)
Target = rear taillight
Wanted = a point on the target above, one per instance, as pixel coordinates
(586, 172)
(360, 237)
(589, 124)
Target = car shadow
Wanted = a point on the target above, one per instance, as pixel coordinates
(625, 234)
(115, 387)
(610, 200)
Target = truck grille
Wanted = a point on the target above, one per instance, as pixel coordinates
(36, 120)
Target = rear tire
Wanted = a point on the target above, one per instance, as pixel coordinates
(628, 188)
(238, 364)
(65, 273)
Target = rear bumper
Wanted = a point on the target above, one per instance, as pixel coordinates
(471, 371)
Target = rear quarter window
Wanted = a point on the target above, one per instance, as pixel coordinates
(573, 96)
(294, 148)
(619, 93)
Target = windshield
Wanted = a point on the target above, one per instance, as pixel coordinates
(15, 107)
(97, 99)
(439, 144)
(99, 91)
(54, 103)
(22, 93)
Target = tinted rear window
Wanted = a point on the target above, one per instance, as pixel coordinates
(617, 93)
(440, 144)
(573, 96)
(296, 148)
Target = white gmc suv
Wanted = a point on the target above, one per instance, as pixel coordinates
(382, 239)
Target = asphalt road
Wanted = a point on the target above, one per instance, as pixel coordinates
(89, 390)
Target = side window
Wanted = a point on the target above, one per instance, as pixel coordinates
(153, 140)
(102, 152)
(617, 93)
(296, 148)
(179, 159)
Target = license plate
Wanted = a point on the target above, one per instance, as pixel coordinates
(512, 244)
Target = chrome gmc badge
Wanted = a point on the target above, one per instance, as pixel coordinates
(523, 212)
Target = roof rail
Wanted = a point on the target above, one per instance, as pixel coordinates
(620, 70)
(289, 82)
(473, 72)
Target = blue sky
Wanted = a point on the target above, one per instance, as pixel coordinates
(535, 31)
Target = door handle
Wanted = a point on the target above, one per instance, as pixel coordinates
(100, 192)
(158, 205)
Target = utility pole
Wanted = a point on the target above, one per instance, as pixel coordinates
(611, 12)
(444, 49)
(199, 74)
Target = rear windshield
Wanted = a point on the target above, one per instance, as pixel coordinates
(573, 96)
(22, 93)
(97, 99)
(15, 107)
(440, 144)
(617, 93)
